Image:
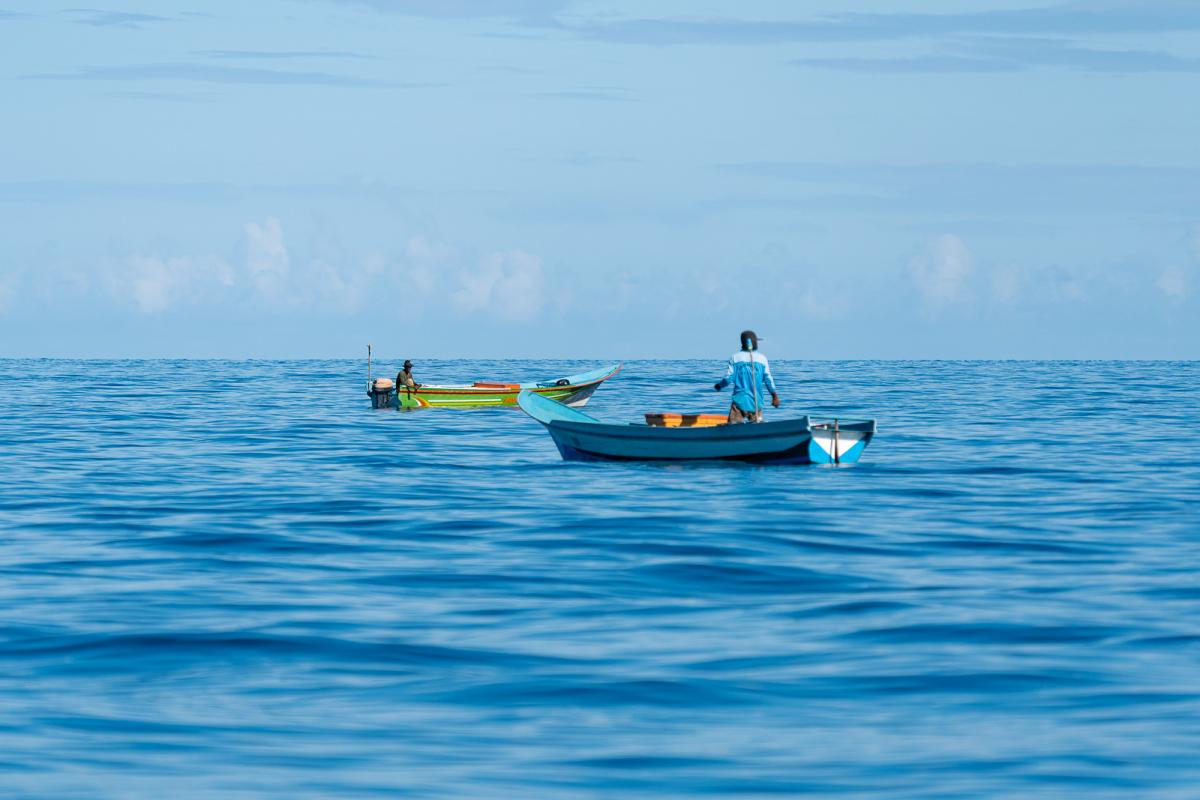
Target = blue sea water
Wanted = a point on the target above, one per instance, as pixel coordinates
(235, 579)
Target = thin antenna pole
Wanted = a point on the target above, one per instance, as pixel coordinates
(368, 363)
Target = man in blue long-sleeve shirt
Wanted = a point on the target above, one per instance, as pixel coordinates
(748, 371)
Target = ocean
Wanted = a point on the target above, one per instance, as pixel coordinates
(235, 579)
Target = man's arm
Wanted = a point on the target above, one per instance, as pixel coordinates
(721, 384)
(769, 380)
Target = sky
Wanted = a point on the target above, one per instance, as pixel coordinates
(596, 179)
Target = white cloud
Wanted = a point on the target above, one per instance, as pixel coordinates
(156, 284)
(266, 274)
(267, 258)
(350, 283)
(343, 281)
(1172, 282)
(344, 289)
(338, 282)
(942, 272)
(1071, 290)
(151, 284)
(424, 262)
(823, 304)
(1057, 284)
(507, 286)
(1006, 284)
(771, 283)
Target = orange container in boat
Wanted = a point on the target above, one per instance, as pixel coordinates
(686, 420)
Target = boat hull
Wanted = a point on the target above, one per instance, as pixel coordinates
(783, 442)
(465, 397)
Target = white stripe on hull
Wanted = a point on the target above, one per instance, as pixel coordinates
(846, 440)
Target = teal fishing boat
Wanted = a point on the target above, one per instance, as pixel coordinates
(803, 440)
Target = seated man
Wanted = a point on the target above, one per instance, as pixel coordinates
(404, 378)
(748, 371)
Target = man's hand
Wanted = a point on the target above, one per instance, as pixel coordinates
(775, 400)
(717, 386)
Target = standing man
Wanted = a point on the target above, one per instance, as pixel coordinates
(404, 378)
(749, 372)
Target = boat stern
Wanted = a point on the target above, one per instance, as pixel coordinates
(837, 441)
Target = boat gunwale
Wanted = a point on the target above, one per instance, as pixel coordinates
(797, 426)
(853, 425)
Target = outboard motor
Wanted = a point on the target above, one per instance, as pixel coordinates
(382, 392)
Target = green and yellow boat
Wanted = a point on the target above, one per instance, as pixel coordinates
(571, 390)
